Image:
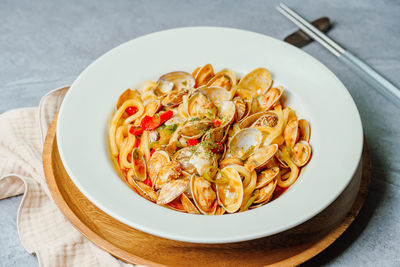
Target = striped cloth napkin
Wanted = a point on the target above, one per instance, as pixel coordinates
(42, 228)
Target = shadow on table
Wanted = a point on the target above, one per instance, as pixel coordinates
(372, 203)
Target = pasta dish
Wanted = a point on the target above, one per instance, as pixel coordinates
(208, 143)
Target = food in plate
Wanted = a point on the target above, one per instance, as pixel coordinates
(208, 143)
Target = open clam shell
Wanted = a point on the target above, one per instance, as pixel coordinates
(183, 156)
(244, 143)
(247, 97)
(230, 161)
(259, 159)
(195, 129)
(139, 165)
(157, 160)
(188, 205)
(270, 99)
(267, 176)
(304, 130)
(225, 79)
(251, 119)
(291, 133)
(215, 134)
(172, 190)
(227, 112)
(204, 196)
(301, 153)
(177, 80)
(173, 98)
(230, 193)
(269, 119)
(201, 107)
(215, 94)
(265, 193)
(203, 75)
(170, 171)
(258, 81)
(144, 190)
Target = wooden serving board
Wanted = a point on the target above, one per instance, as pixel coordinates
(288, 248)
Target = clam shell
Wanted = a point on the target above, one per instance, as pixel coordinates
(195, 129)
(177, 80)
(201, 107)
(172, 190)
(230, 194)
(204, 196)
(291, 133)
(170, 171)
(157, 160)
(188, 205)
(265, 193)
(215, 94)
(139, 165)
(227, 112)
(259, 159)
(203, 75)
(258, 81)
(225, 79)
(270, 99)
(250, 120)
(301, 153)
(244, 143)
(304, 130)
(266, 177)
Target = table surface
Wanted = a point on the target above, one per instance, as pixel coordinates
(46, 44)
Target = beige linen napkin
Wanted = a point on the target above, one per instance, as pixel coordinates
(42, 228)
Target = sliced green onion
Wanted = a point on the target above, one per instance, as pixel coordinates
(250, 201)
(208, 172)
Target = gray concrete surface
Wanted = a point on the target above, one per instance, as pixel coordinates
(46, 44)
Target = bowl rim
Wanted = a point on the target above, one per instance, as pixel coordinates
(89, 193)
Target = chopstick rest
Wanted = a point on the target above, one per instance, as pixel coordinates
(300, 38)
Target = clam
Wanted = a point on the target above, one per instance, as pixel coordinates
(157, 160)
(195, 129)
(219, 211)
(183, 156)
(172, 190)
(177, 80)
(227, 112)
(258, 81)
(244, 143)
(259, 159)
(269, 119)
(301, 153)
(203, 195)
(266, 177)
(175, 204)
(230, 193)
(279, 158)
(265, 193)
(144, 190)
(200, 106)
(215, 94)
(250, 120)
(241, 108)
(170, 171)
(203, 75)
(203, 157)
(270, 99)
(215, 134)
(304, 130)
(139, 165)
(188, 205)
(225, 79)
(291, 133)
(247, 97)
(230, 161)
(173, 98)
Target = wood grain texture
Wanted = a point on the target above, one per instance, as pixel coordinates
(288, 248)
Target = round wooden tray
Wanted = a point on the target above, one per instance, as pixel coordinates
(288, 248)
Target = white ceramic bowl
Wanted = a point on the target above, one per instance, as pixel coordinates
(313, 91)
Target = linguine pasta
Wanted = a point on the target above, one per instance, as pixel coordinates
(208, 143)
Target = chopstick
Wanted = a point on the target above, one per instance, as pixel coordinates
(383, 86)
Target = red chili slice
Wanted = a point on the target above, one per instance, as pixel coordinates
(137, 143)
(192, 142)
(148, 182)
(136, 130)
(166, 116)
(131, 110)
(216, 122)
(152, 152)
